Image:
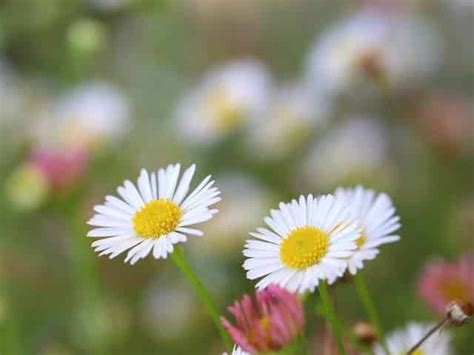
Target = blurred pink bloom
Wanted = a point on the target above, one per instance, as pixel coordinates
(272, 321)
(445, 120)
(60, 167)
(443, 282)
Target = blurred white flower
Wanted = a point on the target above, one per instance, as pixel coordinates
(169, 312)
(227, 98)
(401, 341)
(89, 116)
(391, 49)
(243, 204)
(27, 187)
(356, 149)
(293, 115)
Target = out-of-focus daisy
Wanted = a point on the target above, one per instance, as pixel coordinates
(355, 150)
(90, 116)
(445, 119)
(400, 341)
(376, 215)
(309, 240)
(153, 215)
(441, 282)
(27, 187)
(391, 49)
(268, 324)
(227, 98)
(170, 312)
(294, 114)
(93, 114)
(244, 200)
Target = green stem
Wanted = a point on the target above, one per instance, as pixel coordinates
(331, 317)
(202, 293)
(370, 308)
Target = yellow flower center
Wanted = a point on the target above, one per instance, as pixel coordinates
(156, 218)
(416, 352)
(360, 241)
(454, 289)
(303, 247)
(226, 115)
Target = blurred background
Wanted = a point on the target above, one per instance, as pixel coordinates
(274, 99)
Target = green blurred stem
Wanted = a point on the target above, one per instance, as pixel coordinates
(330, 313)
(202, 293)
(369, 305)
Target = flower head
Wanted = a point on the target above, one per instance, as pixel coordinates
(60, 167)
(389, 49)
(294, 113)
(442, 282)
(92, 115)
(227, 97)
(376, 216)
(153, 215)
(400, 341)
(310, 240)
(272, 321)
(354, 150)
(27, 187)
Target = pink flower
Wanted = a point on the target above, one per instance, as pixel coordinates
(442, 282)
(59, 167)
(272, 321)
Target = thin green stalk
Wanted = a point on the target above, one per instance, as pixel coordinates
(370, 308)
(202, 293)
(331, 317)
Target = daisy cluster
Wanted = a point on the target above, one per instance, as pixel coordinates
(306, 241)
(316, 239)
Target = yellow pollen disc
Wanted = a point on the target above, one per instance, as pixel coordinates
(303, 247)
(454, 289)
(417, 352)
(226, 114)
(156, 218)
(360, 241)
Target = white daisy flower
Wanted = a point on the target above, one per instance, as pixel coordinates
(293, 114)
(376, 215)
(227, 98)
(395, 49)
(352, 151)
(154, 216)
(308, 240)
(90, 115)
(400, 341)
(169, 312)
